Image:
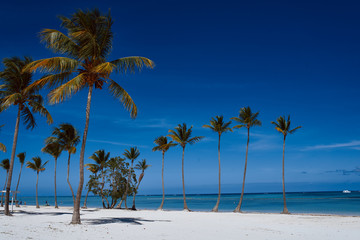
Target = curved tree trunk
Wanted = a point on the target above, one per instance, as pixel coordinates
(76, 213)
(84, 206)
(2, 194)
(37, 182)
(137, 187)
(17, 186)
(183, 182)
(285, 210)
(56, 204)
(216, 208)
(67, 178)
(7, 195)
(162, 178)
(238, 208)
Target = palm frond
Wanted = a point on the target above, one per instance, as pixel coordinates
(28, 118)
(67, 89)
(54, 64)
(59, 42)
(21, 157)
(2, 147)
(119, 93)
(131, 64)
(38, 107)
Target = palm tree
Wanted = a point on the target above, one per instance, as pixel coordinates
(21, 157)
(162, 145)
(140, 166)
(86, 47)
(68, 138)
(14, 91)
(37, 166)
(246, 119)
(93, 168)
(182, 136)
(54, 149)
(100, 157)
(5, 164)
(218, 125)
(283, 126)
(2, 146)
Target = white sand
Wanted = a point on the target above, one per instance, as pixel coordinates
(49, 223)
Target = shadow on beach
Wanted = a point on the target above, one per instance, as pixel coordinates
(135, 221)
(16, 212)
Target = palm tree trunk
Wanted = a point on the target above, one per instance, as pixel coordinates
(2, 194)
(37, 182)
(56, 205)
(17, 186)
(162, 178)
(76, 213)
(285, 211)
(238, 208)
(216, 208)
(7, 195)
(67, 178)
(127, 185)
(137, 187)
(84, 206)
(183, 182)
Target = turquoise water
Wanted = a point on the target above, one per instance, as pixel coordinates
(304, 202)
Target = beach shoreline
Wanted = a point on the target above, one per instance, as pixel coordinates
(28, 222)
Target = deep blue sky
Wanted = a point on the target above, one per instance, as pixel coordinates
(212, 58)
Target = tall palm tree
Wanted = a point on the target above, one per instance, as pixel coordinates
(246, 119)
(100, 157)
(86, 47)
(68, 138)
(2, 146)
(13, 92)
(93, 168)
(283, 126)
(38, 167)
(21, 157)
(182, 136)
(162, 145)
(142, 165)
(218, 125)
(5, 164)
(54, 149)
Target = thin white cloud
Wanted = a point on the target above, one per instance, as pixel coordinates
(353, 145)
(116, 143)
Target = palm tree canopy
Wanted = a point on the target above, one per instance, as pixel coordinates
(2, 146)
(162, 144)
(100, 157)
(283, 126)
(182, 135)
(132, 154)
(54, 149)
(86, 47)
(21, 157)
(36, 164)
(13, 91)
(94, 168)
(218, 125)
(66, 135)
(247, 118)
(142, 165)
(5, 164)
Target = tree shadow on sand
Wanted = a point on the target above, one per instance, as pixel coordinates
(40, 213)
(135, 221)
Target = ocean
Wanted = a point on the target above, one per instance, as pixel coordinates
(297, 202)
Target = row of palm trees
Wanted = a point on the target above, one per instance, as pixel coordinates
(181, 136)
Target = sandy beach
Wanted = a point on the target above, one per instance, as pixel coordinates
(49, 223)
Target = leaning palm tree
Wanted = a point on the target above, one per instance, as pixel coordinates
(21, 157)
(54, 149)
(2, 146)
(140, 166)
(5, 164)
(38, 167)
(246, 119)
(101, 157)
(218, 125)
(68, 138)
(182, 136)
(132, 155)
(283, 126)
(13, 92)
(86, 46)
(93, 168)
(162, 145)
